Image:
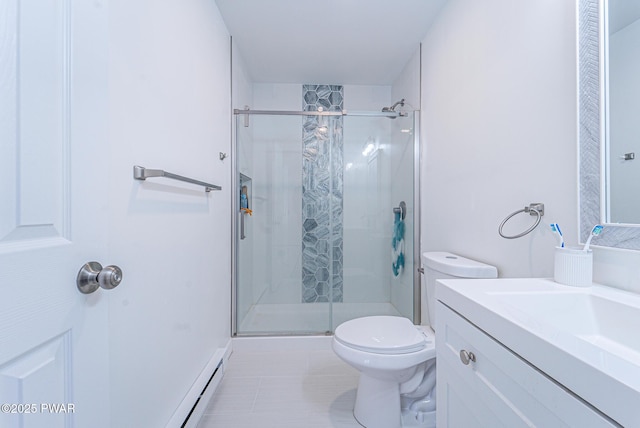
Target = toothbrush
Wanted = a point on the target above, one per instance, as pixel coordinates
(556, 229)
(597, 230)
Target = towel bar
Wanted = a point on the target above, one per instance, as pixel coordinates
(142, 173)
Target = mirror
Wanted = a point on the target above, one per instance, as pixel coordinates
(595, 191)
(622, 106)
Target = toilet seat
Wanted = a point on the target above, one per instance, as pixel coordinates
(382, 335)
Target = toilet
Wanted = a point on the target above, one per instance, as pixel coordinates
(396, 359)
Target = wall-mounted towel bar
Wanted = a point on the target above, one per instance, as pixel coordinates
(142, 173)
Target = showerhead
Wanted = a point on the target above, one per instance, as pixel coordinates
(392, 109)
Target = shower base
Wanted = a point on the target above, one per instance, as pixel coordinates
(306, 318)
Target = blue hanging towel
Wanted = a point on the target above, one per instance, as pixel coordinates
(397, 246)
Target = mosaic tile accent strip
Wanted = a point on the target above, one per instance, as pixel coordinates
(322, 169)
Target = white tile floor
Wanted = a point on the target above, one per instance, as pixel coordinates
(307, 317)
(284, 389)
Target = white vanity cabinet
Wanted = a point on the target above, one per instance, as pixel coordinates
(497, 388)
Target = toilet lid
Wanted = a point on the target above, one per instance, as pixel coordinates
(381, 335)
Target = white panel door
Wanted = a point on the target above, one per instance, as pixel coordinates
(53, 117)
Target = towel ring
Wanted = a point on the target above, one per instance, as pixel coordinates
(536, 209)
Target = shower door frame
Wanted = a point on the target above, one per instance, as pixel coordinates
(235, 206)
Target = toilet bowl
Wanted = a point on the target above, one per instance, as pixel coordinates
(396, 359)
(392, 356)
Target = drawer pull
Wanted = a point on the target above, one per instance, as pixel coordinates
(466, 357)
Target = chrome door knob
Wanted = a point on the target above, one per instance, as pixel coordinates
(93, 276)
(110, 277)
(466, 357)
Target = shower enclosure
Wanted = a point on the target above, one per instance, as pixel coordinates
(320, 235)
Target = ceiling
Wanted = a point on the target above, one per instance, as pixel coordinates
(366, 42)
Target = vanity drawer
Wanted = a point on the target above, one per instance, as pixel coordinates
(497, 388)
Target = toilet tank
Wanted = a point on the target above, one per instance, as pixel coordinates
(442, 265)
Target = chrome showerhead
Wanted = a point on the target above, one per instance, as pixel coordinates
(393, 107)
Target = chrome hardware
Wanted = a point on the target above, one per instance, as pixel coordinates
(246, 117)
(110, 277)
(93, 276)
(391, 114)
(142, 173)
(242, 235)
(223, 156)
(628, 156)
(421, 270)
(535, 208)
(401, 209)
(466, 357)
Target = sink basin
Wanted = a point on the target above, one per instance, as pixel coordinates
(606, 323)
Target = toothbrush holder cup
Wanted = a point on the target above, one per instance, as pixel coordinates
(573, 266)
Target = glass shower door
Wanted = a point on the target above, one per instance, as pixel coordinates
(269, 277)
(379, 161)
(321, 235)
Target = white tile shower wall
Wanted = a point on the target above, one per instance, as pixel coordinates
(277, 96)
(366, 97)
(367, 231)
(499, 130)
(277, 222)
(277, 218)
(368, 217)
(357, 97)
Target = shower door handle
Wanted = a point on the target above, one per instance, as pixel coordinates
(242, 235)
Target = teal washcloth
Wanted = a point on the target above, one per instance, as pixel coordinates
(397, 246)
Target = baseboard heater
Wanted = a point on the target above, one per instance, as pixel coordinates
(193, 405)
(203, 393)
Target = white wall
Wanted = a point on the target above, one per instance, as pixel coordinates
(499, 130)
(169, 108)
(624, 105)
(407, 84)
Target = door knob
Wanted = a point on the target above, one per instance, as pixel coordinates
(93, 276)
(466, 357)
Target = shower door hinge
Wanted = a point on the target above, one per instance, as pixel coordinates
(421, 270)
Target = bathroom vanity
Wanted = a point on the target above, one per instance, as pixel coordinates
(530, 352)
